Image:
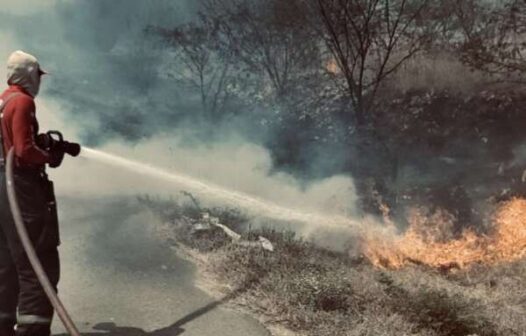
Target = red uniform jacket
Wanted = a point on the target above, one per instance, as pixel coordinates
(20, 128)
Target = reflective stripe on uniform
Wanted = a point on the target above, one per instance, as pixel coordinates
(33, 319)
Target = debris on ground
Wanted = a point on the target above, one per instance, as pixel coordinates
(208, 222)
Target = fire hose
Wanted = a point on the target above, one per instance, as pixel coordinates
(30, 251)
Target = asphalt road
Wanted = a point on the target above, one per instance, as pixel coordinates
(118, 280)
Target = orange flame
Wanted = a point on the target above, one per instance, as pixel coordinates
(332, 66)
(433, 246)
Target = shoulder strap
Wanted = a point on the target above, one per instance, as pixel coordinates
(3, 104)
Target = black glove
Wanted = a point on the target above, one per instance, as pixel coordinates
(56, 158)
(43, 141)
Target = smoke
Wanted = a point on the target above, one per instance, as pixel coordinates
(234, 165)
(105, 91)
(103, 69)
(16, 7)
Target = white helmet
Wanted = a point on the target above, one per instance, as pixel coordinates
(24, 70)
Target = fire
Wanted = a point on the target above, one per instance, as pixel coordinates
(332, 66)
(428, 241)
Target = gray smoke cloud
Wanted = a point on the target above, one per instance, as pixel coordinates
(104, 70)
(105, 91)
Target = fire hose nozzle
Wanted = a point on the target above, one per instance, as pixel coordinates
(54, 141)
(71, 148)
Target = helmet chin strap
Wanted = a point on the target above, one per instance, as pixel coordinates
(30, 250)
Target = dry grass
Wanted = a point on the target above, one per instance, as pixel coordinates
(320, 293)
(313, 291)
(439, 71)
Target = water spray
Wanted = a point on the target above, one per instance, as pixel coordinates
(248, 202)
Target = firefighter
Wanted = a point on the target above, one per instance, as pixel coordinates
(22, 300)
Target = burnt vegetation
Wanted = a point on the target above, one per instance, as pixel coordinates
(421, 102)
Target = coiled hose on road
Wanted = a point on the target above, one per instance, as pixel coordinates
(30, 250)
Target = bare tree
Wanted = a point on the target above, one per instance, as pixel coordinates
(370, 39)
(267, 38)
(494, 36)
(200, 63)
